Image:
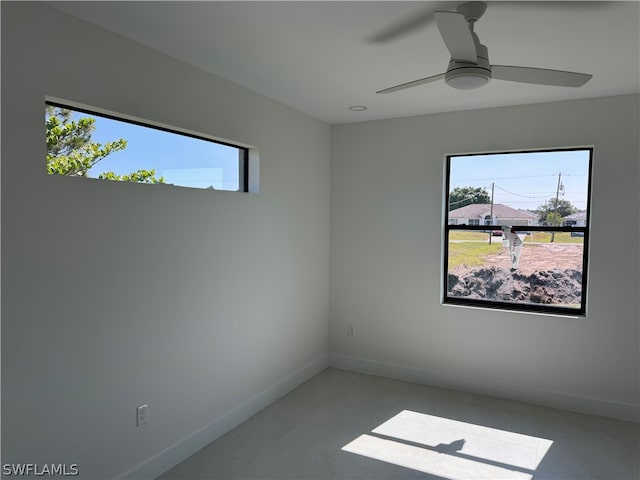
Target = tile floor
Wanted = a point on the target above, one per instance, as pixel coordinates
(399, 430)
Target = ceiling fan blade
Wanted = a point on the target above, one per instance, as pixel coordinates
(405, 27)
(415, 83)
(456, 36)
(539, 76)
(420, 17)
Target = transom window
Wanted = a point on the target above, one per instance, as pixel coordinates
(517, 230)
(87, 144)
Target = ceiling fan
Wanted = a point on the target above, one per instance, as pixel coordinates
(469, 66)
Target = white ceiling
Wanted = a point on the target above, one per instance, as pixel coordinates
(322, 57)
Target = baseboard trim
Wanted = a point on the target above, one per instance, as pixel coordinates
(521, 393)
(187, 446)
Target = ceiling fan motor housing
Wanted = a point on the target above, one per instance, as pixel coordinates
(467, 76)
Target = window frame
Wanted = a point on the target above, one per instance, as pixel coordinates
(518, 307)
(243, 161)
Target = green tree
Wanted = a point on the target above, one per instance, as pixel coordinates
(71, 151)
(554, 219)
(559, 206)
(462, 196)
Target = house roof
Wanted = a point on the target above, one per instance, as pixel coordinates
(478, 210)
(576, 216)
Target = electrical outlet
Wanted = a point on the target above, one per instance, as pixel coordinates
(351, 331)
(141, 415)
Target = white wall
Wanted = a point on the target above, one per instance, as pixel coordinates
(387, 217)
(202, 304)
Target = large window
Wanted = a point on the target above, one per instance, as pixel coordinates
(83, 143)
(517, 230)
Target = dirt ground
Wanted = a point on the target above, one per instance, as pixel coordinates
(547, 273)
(535, 258)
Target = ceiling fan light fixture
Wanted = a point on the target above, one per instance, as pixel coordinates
(469, 76)
(467, 81)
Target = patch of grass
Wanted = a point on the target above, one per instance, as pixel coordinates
(560, 237)
(471, 254)
(537, 237)
(467, 235)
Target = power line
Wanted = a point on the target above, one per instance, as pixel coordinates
(521, 176)
(470, 197)
(517, 194)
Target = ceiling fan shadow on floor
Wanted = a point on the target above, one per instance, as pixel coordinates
(469, 67)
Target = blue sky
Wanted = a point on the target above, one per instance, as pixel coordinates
(180, 159)
(525, 180)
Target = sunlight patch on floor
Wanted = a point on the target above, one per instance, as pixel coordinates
(452, 449)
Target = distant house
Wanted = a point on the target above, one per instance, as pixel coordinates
(481, 214)
(578, 219)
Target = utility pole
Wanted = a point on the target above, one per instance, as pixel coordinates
(491, 212)
(553, 234)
